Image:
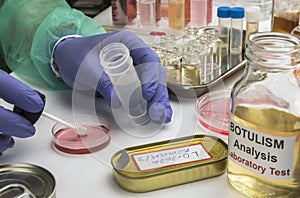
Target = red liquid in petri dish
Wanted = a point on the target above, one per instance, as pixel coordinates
(68, 141)
(215, 114)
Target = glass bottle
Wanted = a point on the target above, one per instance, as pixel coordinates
(264, 130)
(176, 14)
(285, 15)
(198, 19)
(147, 12)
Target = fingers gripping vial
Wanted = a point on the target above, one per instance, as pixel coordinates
(118, 65)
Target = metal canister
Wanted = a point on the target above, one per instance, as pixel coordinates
(168, 163)
(26, 181)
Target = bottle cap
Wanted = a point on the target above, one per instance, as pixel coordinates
(252, 13)
(223, 12)
(237, 12)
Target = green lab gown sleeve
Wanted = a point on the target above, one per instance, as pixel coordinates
(30, 28)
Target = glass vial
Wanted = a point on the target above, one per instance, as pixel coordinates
(224, 24)
(198, 19)
(176, 14)
(264, 131)
(172, 64)
(147, 12)
(252, 20)
(285, 15)
(191, 68)
(236, 32)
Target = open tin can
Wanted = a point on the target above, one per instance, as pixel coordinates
(26, 181)
(168, 163)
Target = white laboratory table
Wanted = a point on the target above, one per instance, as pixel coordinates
(90, 175)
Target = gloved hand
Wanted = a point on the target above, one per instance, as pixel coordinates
(77, 61)
(26, 100)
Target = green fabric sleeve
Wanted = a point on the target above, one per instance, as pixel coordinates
(30, 28)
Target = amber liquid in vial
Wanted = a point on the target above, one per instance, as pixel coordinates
(252, 27)
(173, 74)
(190, 75)
(276, 123)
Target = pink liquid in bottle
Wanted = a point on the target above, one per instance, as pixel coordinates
(209, 12)
(68, 141)
(198, 13)
(147, 12)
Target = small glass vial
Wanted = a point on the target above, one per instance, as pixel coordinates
(252, 21)
(172, 64)
(264, 129)
(236, 32)
(224, 24)
(191, 68)
(213, 60)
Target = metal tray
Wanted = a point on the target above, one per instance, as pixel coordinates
(188, 91)
(198, 90)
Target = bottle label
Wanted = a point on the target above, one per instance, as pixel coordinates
(171, 157)
(262, 154)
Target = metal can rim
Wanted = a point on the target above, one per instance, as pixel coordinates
(8, 167)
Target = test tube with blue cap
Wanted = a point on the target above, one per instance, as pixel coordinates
(224, 24)
(117, 63)
(236, 33)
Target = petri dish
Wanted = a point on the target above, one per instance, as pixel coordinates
(68, 141)
(213, 111)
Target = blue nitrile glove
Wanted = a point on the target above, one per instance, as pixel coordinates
(12, 123)
(78, 58)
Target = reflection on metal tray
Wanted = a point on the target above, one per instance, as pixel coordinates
(198, 90)
(203, 63)
(184, 79)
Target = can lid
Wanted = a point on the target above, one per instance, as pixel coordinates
(154, 158)
(237, 12)
(213, 111)
(26, 180)
(223, 12)
(252, 13)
